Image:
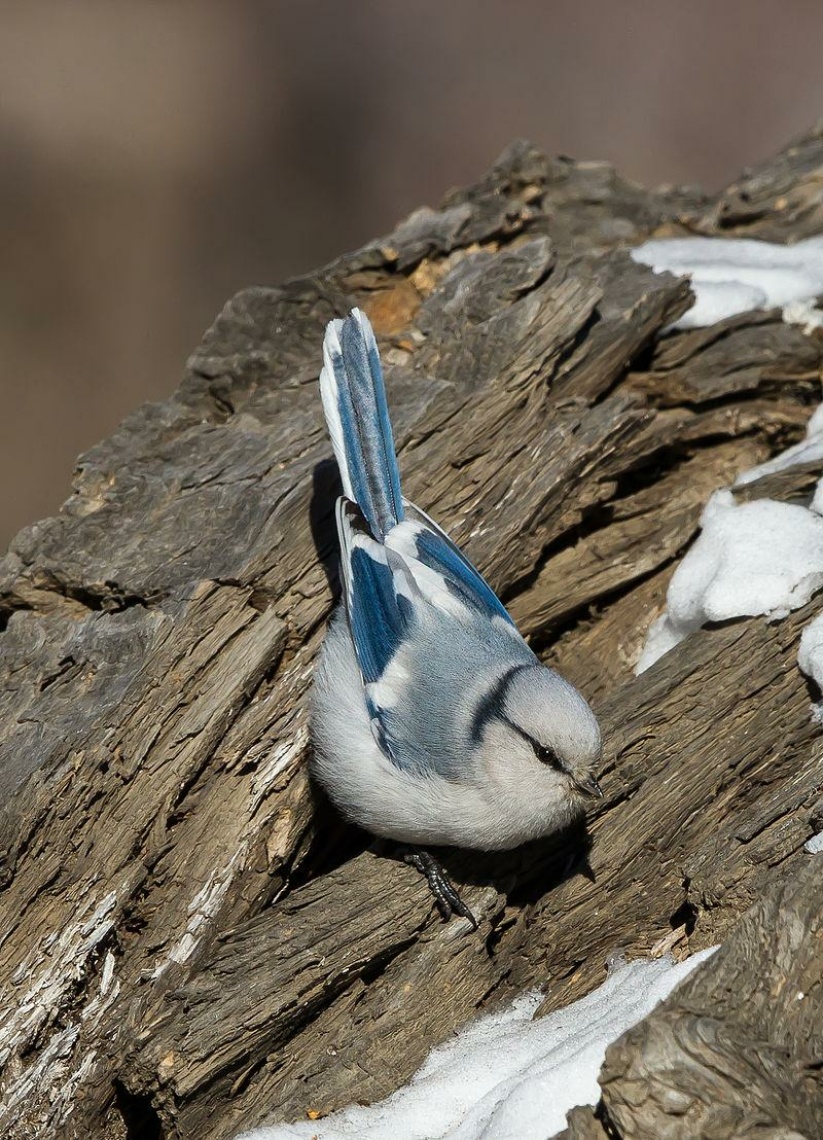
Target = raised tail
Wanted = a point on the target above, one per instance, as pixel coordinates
(354, 402)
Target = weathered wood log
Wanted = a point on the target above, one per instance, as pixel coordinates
(736, 1051)
(192, 942)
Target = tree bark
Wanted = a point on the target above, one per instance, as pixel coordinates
(736, 1050)
(192, 942)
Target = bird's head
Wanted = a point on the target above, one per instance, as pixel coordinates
(545, 721)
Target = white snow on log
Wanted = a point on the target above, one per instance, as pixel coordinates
(507, 1076)
(809, 450)
(810, 653)
(814, 845)
(803, 313)
(732, 275)
(757, 558)
(762, 557)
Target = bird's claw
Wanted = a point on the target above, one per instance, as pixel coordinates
(448, 900)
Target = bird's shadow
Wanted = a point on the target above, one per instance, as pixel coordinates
(326, 490)
(334, 842)
(524, 875)
(531, 871)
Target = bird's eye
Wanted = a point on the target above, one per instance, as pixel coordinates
(547, 756)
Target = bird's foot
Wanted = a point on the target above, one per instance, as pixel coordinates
(448, 900)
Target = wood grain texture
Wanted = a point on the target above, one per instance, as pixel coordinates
(736, 1050)
(192, 942)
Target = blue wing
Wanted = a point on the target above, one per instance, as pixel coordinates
(380, 597)
(388, 587)
(379, 593)
(440, 569)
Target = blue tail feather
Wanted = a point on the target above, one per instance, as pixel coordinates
(354, 400)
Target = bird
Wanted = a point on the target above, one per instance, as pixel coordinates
(433, 723)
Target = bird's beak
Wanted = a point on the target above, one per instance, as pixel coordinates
(590, 787)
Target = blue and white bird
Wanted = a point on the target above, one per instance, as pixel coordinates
(433, 722)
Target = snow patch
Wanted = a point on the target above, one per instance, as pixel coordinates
(757, 558)
(506, 1076)
(809, 450)
(810, 653)
(731, 276)
(803, 313)
(752, 558)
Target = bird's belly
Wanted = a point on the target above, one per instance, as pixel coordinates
(428, 810)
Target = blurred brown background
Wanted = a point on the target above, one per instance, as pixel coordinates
(156, 157)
